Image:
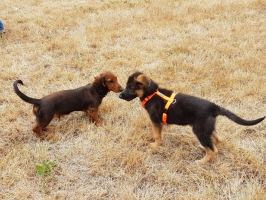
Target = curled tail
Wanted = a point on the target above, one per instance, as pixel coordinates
(23, 96)
(238, 120)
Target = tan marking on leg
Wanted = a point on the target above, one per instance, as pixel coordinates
(93, 114)
(215, 138)
(202, 147)
(35, 109)
(48, 128)
(57, 116)
(157, 136)
(37, 129)
(210, 155)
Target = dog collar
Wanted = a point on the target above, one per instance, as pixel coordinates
(170, 100)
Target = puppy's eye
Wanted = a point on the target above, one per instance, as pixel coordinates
(131, 87)
(110, 81)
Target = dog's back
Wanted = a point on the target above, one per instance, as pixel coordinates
(188, 109)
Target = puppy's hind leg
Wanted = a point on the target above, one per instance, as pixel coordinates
(157, 128)
(41, 124)
(215, 138)
(206, 135)
(210, 154)
(37, 129)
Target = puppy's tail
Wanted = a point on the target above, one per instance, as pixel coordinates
(238, 120)
(23, 96)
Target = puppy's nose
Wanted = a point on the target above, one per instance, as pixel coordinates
(121, 90)
(120, 96)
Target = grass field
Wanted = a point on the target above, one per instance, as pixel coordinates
(211, 49)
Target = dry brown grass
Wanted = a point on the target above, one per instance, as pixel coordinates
(211, 49)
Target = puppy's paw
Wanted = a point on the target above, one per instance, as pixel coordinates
(202, 161)
(199, 161)
(48, 128)
(42, 136)
(99, 123)
(200, 146)
(153, 145)
(49, 137)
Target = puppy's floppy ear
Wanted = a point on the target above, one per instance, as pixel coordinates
(99, 80)
(143, 80)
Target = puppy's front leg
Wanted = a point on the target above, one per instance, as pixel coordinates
(93, 113)
(157, 128)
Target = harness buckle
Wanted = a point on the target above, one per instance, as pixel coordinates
(174, 101)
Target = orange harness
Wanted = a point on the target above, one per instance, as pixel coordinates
(167, 105)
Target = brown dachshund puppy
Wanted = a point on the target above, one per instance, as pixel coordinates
(166, 107)
(87, 98)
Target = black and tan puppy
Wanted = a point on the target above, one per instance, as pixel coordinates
(87, 98)
(163, 106)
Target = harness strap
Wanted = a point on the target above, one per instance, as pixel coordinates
(169, 100)
(144, 101)
(167, 105)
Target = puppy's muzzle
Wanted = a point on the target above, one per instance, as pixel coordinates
(126, 96)
(121, 95)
